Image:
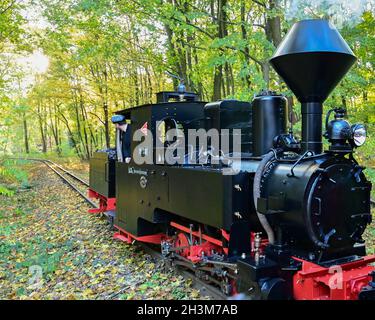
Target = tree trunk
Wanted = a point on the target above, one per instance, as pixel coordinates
(41, 128)
(273, 25)
(365, 95)
(106, 125)
(101, 79)
(244, 37)
(218, 78)
(222, 32)
(177, 49)
(273, 34)
(54, 126)
(86, 143)
(71, 136)
(266, 73)
(343, 101)
(105, 109)
(26, 136)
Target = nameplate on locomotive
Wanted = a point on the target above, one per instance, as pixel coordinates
(132, 170)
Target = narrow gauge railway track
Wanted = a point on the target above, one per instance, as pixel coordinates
(68, 177)
(203, 287)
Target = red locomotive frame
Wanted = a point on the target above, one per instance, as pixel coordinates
(339, 282)
(105, 204)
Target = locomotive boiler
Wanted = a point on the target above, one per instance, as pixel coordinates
(282, 218)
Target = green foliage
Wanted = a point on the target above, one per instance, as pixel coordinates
(108, 55)
(10, 173)
(44, 254)
(370, 174)
(5, 191)
(11, 21)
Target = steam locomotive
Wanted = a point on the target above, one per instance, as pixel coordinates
(281, 219)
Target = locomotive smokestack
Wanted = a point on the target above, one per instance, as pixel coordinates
(312, 59)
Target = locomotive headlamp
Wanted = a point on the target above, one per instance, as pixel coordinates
(181, 90)
(358, 134)
(338, 131)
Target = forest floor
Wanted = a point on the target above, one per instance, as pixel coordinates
(51, 248)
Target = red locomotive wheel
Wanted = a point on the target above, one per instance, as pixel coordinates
(182, 241)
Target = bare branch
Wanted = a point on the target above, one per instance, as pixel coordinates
(262, 4)
(8, 7)
(95, 115)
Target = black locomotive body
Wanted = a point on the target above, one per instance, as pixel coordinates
(296, 201)
(195, 192)
(270, 220)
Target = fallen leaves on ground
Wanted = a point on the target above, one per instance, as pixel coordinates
(51, 248)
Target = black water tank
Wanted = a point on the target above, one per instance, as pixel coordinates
(231, 114)
(269, 120)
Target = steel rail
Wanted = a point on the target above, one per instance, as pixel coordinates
(69, 173)
(87, 199)
(50, 164)
(203, 287)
